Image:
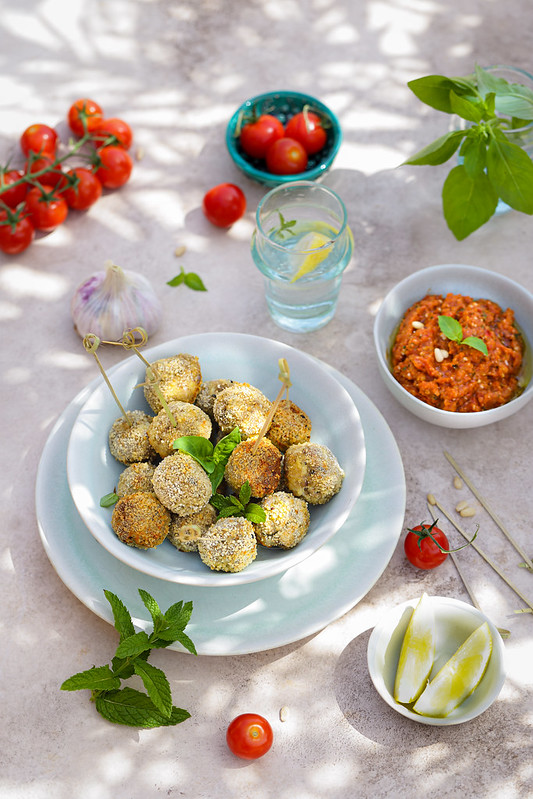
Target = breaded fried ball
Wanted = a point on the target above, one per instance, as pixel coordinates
(185, 531)
(129, 442)
(262, 469)
(208, 393)
(312, 472)
(241, 405)
(287, 521)
(181, 484)
(180, 379)
(140, 520)
(137, 477)
(190, 421)
(229, 545)
(290, 425)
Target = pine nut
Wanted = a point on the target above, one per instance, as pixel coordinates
(438, 355)
(417, 325)
(179, 251)
(283, 713)
(139, 153)
(457, 482)
(468, 512)
(461, 505)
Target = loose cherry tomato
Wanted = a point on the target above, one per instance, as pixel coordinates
(256, 137)
(47, 210)
(83, 110)
(426, 546)
(224, 204)
(38, 139)
(104, 128)
(114, 168)
(86, 191)
(249, 736)
(16, 232)
(12, 197)
(306, 127)
(286, 157)
(53, 174)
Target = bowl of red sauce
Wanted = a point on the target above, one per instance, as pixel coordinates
(453, 344)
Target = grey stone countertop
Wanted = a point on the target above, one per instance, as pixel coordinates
(176, 70)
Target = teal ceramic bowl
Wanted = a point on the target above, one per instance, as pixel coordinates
(283, 105)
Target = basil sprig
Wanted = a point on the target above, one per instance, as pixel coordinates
(453, 330)
(212, 458)
(492, 167)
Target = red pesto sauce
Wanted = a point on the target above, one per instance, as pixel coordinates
(467, 380)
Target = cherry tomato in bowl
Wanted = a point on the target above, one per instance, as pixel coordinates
(306, 127)
(286, 157)
(256, 137)
(249, 736)
(224, 204)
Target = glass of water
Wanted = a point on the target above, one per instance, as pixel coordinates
(302, 244)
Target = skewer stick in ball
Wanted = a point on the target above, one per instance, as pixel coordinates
(91, 342)
(284, 376)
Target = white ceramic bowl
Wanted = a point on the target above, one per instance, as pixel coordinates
(472, 281)
(93, 472)
(455, 621)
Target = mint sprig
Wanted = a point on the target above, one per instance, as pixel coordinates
(284, 227)
(239, 506)
(453, 330)
(126, 705)
(189, 279)
(492, 167)
(212, 458)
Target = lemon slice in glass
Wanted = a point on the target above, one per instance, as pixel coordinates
(459, 676)
(308, 243)
(417, 653)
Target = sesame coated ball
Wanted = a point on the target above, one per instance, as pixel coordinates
(208, 394)
(134, 478)
(181, 484)
(262, 469)
(128, 439)
(290, 425)
(312, 472)
(140, 520)
(185, 531)
(241, 405)
(229, 545)
(190, 421)
(286, 523)
(180, 379)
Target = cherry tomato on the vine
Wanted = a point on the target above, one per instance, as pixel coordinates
(424, 546)
(47, 210)
(17, 234)
(256, 137)
(249, 736)
(104, 128)
(286, 157)
(306, 127)
(224, 204)
(114, 166)
(12, 196)
(38, 139)
(84, 109)
(53, 174)
(86, 191)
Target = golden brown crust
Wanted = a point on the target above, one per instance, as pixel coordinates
(129, 442)
(134, 478)
(313, 472)
(229, 545)
(180, 379)
(140, 520)
(290, 425)
(241, 405)
(287, 521)
(181, 484)
(262, 469)
(190, 421)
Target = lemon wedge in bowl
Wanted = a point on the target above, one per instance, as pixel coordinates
(417, 653)
(459, 676)
(314, 245)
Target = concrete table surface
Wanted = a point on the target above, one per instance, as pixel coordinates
(176, 70)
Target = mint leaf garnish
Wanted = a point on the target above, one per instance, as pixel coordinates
(135, 709)
(238, 506)
(109, 499)
(189, 279)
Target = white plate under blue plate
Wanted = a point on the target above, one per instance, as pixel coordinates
(244, 618)
(93, 472)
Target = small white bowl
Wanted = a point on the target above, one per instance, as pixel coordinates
(454, 622)
(474, 282)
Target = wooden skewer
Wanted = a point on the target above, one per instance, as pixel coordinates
(485, 557)
(483, 501)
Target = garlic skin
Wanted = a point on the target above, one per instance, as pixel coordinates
(114, 300)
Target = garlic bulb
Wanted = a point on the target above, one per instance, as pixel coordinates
(112, 301)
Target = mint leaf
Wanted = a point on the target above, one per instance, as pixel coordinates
(151, 606)
(133, 646)
(450, 328)
(109, 499)
(434, 90)
(189, 279)
(99, 678)
(467, 201)
(255, 513)
(121, 615)
(135, 709)
(476, 344)
(157, 686)
(245, 493)
(179, 614)
(510, 171)
(438, 151)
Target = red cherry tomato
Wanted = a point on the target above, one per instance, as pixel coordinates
(420, 548)
(38, 139)
(15, 235)
(84, 109)
(12, 197)
(46, 209)
(306, 127)
(249, 736)
(86, 192)
(224, 204)
(114, 168)
(104, 128)
(286, 157)
(53, 174)
(256, 137)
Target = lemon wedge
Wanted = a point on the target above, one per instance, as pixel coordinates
(309, 242)
(417, 653)
(459, 676)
